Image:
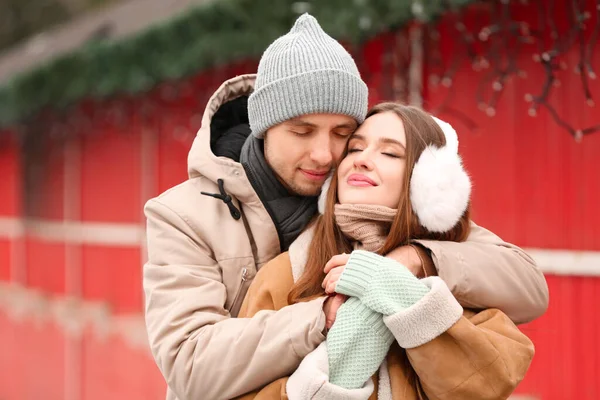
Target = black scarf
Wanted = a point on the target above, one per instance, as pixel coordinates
(290, 213)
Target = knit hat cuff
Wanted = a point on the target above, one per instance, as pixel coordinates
(361, 267)
(330, 91)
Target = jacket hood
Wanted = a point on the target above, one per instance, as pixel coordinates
(202, 161)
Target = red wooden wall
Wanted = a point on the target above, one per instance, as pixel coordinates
(533, 185)
(536, 186)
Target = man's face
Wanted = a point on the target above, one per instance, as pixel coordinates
(303, 150)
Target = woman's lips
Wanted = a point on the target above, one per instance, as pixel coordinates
(360, 180)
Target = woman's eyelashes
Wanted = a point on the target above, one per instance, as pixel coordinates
(391, 155)
(385, 153)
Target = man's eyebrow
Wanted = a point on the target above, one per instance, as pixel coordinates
(347, 125)
(302, 123)
(299, 122)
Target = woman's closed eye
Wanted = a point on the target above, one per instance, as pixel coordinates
(385, 153)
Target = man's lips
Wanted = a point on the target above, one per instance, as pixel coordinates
(314, 175)
(360, 180)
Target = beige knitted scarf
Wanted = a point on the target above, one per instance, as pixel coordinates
(366, 224)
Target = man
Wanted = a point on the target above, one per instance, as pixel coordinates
(249, 196)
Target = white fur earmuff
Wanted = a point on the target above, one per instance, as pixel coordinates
(440, 187)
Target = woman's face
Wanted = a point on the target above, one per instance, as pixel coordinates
(373, 170)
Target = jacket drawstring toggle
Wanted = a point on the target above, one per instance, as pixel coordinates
(225, 198)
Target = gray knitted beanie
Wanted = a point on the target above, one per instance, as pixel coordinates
(305, 71)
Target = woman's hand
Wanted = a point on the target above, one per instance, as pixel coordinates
(331, 307)
(334, 269)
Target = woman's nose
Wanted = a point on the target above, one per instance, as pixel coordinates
(363, 161)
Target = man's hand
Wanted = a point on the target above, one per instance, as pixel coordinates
(331, 307)
(416, 259)
(334, 269)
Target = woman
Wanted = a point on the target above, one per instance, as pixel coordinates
(400, 180)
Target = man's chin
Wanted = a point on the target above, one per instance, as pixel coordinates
(306, 189)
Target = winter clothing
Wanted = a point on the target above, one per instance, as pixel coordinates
(201, 261)
(439, 186)
(389, 289)
(229, 129)
(305, 71)
(482, 356)
(359, 340)
(366, 224)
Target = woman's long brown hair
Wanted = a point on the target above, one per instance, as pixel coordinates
(421, 131)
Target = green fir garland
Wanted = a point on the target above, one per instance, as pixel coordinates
(218, 33)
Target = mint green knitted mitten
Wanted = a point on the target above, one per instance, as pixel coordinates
(357, 344)
(380, 283)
